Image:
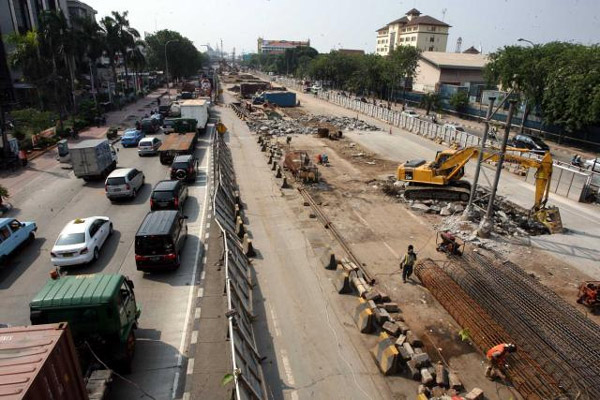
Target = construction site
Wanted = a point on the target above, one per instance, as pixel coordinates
(349, 191)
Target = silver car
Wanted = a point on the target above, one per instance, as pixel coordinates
(124, 182)
(148, 146)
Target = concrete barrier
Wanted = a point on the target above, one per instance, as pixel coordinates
(248, 247)
(363, 317)
(342, 281)
(386, 355)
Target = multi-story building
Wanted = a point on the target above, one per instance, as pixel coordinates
(421, 31)
(266, 46)
(78, 9)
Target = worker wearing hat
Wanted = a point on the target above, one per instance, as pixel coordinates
(407, 263)
(497, 359)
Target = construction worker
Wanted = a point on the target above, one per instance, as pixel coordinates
(407, 263)
(497, 359)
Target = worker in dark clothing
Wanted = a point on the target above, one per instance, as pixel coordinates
(497, 360)
(407, 263)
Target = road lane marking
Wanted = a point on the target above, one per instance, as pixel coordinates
(191, 292)
(203, 274)
(194, 338)
(190, 368)
(207, 235)
(186, 396)
(287, 368)
(275, 324)
(197, 313)
(200, 292)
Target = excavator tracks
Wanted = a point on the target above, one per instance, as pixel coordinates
(458, 192)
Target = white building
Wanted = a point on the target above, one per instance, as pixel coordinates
(421, 31)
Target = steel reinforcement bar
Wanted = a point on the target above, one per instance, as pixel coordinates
(555, 334)
(526, 375)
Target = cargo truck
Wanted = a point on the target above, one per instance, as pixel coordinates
(197, 109)
(101, 311)
(181, 141)
(93, 159)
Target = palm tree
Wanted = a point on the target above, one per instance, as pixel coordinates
(127, 38)
(90, 45)
(137, 59)
(111, 44)
(25, 56)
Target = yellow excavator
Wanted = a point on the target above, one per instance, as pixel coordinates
(441, 179)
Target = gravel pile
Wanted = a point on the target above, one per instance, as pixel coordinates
(343, 123)
(307, 125)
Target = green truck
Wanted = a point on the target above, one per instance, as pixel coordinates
(101, 311)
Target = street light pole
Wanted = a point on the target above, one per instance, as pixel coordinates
(522, 129)
(167, 60)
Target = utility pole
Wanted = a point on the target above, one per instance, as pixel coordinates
(468, 214)
(485, 228)
(222, 54)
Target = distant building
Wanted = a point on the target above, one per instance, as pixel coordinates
(471, 50)
(352, 52)
(266, 46)
(78, 9)
(421, 31)
(437, 69)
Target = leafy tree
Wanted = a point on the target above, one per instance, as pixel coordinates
(184, 57)
(401, 66)
(430, 101)
(127, 38)
(459, 100)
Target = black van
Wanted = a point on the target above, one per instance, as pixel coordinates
(159, 240)
(168, 195)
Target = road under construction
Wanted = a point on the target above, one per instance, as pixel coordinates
(427, 337)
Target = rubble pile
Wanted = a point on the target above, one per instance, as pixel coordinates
(342, 123)
(509, 219)
(279, 127)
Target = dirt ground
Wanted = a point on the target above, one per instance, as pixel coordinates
(379, 228)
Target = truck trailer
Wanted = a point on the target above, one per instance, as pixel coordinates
(93, 159)
(40, 362)
(196, 109)
(181, 141)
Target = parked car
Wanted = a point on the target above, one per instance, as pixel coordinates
(131, 138)
(124, 182)
(168, 195)
(454, 127)
(13, 234)
(149, 146)
(184, 168)
(410, 113)
(80, 241)
(160, 240)
(535, 144)
(593, 164)
(316, 88)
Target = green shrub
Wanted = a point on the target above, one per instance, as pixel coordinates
(112, 133)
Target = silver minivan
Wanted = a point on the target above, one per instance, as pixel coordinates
(148, 146)
(124, 182)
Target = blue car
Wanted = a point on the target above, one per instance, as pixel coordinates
(131, 138)
(13, 234)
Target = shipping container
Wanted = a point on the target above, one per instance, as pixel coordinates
(281, 99)
(39, 362)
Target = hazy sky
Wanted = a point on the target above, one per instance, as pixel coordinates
(352, 23)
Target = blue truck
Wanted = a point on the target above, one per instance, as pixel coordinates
(279, 98)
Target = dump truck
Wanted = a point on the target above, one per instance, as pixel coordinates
(40, 362)
(181, 141)
(102, 313)
(196, 109)
(93, 159)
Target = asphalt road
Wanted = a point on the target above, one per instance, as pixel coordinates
(54, 197)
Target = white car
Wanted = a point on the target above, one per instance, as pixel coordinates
(593, 164)
(454, 127)
(410, 113)
(80, 241)
(149, 145)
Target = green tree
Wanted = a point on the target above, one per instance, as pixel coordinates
(459, 100)
(401, 67)
(127, 38)
(184, 57)
(112, 45)
(571, 98)
(430, 101)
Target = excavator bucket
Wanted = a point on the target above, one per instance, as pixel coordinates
(550, 217)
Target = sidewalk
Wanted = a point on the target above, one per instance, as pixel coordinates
(14, 181)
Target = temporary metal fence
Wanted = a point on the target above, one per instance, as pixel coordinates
(247, 371)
